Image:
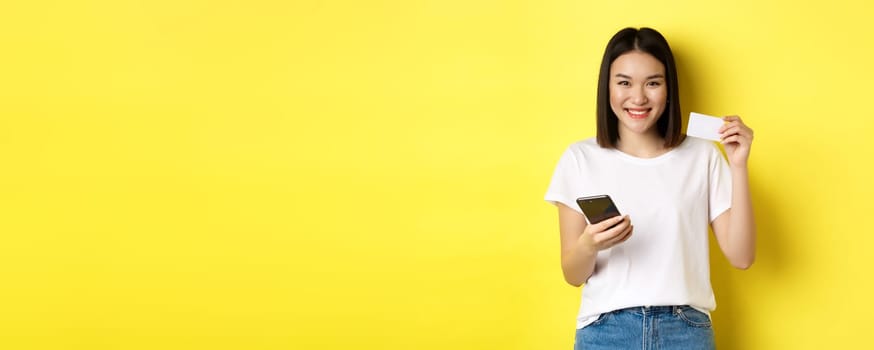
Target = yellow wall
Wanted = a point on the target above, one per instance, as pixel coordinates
(320, 174)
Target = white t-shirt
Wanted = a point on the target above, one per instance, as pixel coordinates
(671, 200)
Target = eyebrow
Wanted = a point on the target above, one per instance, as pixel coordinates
(620, 75)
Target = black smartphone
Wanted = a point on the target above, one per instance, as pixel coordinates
(597, 208)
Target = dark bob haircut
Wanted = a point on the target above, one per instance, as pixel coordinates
(652, 42)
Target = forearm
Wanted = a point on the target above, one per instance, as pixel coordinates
(741, 247)
(578, 265)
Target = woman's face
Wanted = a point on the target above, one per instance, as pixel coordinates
(638, 92)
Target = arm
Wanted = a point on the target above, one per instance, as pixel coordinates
(581, 242)
(735, 229)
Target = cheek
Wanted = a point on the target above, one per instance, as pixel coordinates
(616, 96)
(659, 95)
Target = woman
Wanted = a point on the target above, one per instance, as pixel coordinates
(647, 272)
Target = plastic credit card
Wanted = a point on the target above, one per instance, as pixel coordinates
(704, 126)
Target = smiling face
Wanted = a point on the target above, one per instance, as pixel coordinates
(638, 93)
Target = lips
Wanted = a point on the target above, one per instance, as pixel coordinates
(638, 113)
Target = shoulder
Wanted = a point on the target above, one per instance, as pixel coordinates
(700, 146)
(580, 152)
(701, 151)
(586, 146)
(697, 143)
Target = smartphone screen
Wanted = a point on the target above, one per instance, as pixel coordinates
(597, 208)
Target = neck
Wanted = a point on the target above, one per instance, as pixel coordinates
(648, 145)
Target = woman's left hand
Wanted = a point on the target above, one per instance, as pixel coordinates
(737, 138)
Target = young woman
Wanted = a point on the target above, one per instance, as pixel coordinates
(647, 272)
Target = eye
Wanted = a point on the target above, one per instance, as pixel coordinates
(623, 83)
(654, 83)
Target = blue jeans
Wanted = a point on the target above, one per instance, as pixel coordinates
(653, 327)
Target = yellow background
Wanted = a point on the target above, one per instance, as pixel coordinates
(369, 174)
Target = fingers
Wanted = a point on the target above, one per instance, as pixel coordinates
(623, 236)
(606, 224)
(732, 139)
(616, 234)
(737, 136)
(731, 118)
(734, 126)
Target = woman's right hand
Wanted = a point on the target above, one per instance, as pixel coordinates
(580, 242)
(604, 234)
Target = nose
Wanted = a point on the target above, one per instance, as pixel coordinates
(638, 96)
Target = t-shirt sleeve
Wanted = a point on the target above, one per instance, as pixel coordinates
(565, 184)
(720, 184)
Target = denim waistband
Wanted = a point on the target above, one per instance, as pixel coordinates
(653, 310)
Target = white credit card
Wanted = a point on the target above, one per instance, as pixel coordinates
(704, 126)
